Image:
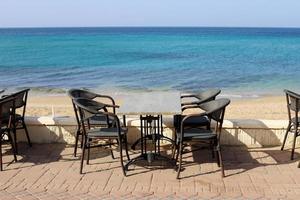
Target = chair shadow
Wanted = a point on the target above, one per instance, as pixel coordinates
(235, 158)
(239, 159)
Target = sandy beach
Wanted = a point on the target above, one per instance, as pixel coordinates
(269, 107)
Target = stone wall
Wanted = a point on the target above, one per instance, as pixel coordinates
(236, 132)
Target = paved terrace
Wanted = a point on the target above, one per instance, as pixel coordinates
(49, 171)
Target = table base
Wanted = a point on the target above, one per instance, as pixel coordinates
(151, 130)
(151, 158)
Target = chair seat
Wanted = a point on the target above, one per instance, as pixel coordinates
(5, 118)
(105, 132)
(191, 122)
(101, 120)
(294, 121)
(190, 100)
(18, 117)
(197, 121)
(197, 134)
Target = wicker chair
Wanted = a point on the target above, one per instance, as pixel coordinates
(293, 105)
(7, 109)
(88, 109)
(99, 120)
(201, 97)
(214, 110)
(20, 104)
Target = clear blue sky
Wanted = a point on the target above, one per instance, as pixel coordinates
(60, 13)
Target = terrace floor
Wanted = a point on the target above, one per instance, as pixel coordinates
(49, 171)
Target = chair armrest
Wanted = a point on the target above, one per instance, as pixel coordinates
(3, 96)
(106, 97)
(186, 107)
(190, 103)
(187, 95)
(111, 106)
(191, 116)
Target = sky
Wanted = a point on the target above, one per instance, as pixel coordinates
(97, 13)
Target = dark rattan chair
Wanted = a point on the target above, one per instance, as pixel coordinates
(293, 105)
(201, 121)
(99, 120)
(201, 97)
(87, 110)
(20, 104)
(214, 110)
(7, 109)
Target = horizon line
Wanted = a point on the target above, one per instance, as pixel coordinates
(37, 27)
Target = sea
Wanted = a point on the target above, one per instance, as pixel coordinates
(242, 62)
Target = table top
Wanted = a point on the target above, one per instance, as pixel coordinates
(150, 103)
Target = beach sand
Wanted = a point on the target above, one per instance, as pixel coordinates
(269, 107)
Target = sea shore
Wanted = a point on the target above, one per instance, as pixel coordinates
(265, 107)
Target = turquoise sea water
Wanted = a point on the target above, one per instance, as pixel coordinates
(240, 61)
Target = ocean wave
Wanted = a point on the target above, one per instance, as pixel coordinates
(48, 90)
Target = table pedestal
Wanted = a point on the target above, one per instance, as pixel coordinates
(151, 132)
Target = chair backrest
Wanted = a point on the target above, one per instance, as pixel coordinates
(77, 93)
(7, 109)
(89, 108)
(20, 99)
(216, 110)
(293, 103)
(208, 95)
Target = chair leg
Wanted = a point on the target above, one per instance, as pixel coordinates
(174, 148)
(82, 156)
(294, 143)
(12, 146)
(285, 136)
(121, 155)
(26, 132)
(89, 152)
(220, 161)
(177, 154)
(1, 167)
(180, 160)
(81, 142)
(76, 142)
(212, 149)
(299, 164)
(126, 147)
(175, 145)
(15, 139)
(111, 151)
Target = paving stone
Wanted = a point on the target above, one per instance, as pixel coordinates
(49, 171)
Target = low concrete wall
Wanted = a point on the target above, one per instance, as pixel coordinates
(236, 132)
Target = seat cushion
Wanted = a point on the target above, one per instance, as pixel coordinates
(294, 120)
(105, 132)
(191, 122)
(19, 117)
(197, 134)
(101, 120)
(5, 118)
(197, 121)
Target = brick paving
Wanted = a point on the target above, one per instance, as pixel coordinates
(49, 171)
